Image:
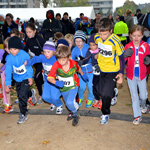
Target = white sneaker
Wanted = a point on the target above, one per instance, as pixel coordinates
(114, 99)
(144, 110)
(104, 119)
(59, 110)
(52, 107)
(137, 120)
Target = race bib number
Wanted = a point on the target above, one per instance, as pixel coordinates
(105, 50)
(46, 69)
(19, 70)
(69, 81)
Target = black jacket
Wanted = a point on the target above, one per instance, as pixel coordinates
(50, 26)
(35, 45)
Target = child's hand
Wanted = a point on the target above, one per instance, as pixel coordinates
(25, 63)
(30, 81)
(120, 78)
(7, 89)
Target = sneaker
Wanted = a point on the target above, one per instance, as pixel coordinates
(59, 110)
(96, 103)
(113, 101)
(22, 118)
(100, 104)
(52, 107)
(40, 101)
(32, 100)
(70, 116)
(144, 110)
(80, 102)
(8, 109)
(104, 119)
(137, 120)
(89, 103)
(75, 121)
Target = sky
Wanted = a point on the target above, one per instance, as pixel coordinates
(118, 3)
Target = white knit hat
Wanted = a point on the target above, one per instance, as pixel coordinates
(79, 34)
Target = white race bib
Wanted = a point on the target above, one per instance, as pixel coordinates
(69, 81)
(105, 50)
(20, 70)
(46, 68)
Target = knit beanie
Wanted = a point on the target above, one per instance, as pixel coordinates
(62, 41)
(79, 34)
(86, 18)
(49, 45)
(15, 42)
(91, 39)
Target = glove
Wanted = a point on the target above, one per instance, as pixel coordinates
(97, 69)
(147, 60)
(128, 52)
(79, 62)
(59, 83)
(85, 77)
(80, 57)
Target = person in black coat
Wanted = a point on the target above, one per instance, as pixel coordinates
(50, 25)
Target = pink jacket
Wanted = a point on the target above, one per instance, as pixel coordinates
(143, 51)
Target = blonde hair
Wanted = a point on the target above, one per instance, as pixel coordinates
(128, 11)
(62, 52)
(5, 43)
(136, 28)
(69, 37)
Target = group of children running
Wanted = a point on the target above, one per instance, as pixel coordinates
(67, 70)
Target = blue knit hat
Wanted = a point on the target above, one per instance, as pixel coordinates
(79, 34)
(91, 39)
(49, 45)
(62, 41)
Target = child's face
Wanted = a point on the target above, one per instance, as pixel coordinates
(63, 61)
(48, 53)
(30, 33)
(79, 43)
(136, 37)
(70, 43)
(14, 51)
(93, 46)
(104, 34)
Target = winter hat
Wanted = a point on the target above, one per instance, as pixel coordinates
(62, 41)
(49, 45)
(86, 18)
(91, 39)
(79, 34)
(15, 42)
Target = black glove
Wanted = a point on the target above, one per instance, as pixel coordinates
(128, 52)
(147, 60)
(79, 62)
(97, 69)
(80, 57)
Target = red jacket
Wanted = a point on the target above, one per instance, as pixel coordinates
(143, 51)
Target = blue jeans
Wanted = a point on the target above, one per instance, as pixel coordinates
(141, 84)
(51, 94)
(70, 100)
(82, 87)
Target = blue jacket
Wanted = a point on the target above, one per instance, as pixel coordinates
(76, 52)
(46, 63)
(15, 64)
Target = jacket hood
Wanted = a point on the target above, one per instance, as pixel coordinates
(51, 11)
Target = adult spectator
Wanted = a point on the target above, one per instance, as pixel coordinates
(111, 18)
(1, 30)
(78, 21)
(17, 20)
(69, 26)
(138, 13)
(117, 18)
(58, 17)
(50, 25)
(97, 19)
(121, 28)
(8, 25)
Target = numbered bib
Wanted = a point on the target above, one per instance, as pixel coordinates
(69, 81)
(47, 69)
(19, 70)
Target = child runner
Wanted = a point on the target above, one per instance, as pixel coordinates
(7, 98)
(135, 52)
(21, 74)
(111, 63)
(70, 38)
(34, 46)
(68, 81)
(51, 93)
(78, 53)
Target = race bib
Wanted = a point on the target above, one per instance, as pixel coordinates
(46, 69)
(69, 81)
(105, 50)
(19, 70)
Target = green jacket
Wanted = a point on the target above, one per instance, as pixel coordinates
(121, 28)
